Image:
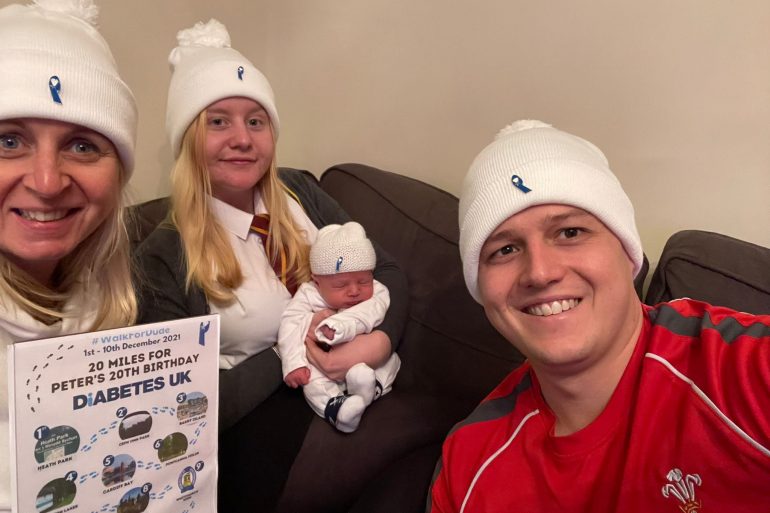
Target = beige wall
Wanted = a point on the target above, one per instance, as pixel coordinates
(677, 93)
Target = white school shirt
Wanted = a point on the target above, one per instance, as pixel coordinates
(17, 326)
(249, 324)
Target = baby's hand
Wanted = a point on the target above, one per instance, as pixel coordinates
(327, 332)
(298, 377)
(318, 317)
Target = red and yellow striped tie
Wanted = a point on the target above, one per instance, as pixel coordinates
(261, 226)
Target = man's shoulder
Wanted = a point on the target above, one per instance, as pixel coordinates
(692, 319)
(694, 307)
(693, 352)
(513, 397)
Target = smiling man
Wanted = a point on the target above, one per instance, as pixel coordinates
(619, 406)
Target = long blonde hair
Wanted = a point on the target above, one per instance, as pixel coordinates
(102, 259)
(211, 262)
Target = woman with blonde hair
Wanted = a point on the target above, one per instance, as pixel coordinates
(67, 136)
(236, 243)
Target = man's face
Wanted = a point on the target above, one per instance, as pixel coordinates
(344, 290)
(558, 285)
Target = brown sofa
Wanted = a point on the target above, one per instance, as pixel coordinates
(451, 355)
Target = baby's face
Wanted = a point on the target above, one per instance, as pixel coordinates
(344, 290)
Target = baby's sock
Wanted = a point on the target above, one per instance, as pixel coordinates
(349, 415)
(361, 381)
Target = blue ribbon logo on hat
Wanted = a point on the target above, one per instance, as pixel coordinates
(518, 182)
(240, 72)
(339, 264)
(54, 84)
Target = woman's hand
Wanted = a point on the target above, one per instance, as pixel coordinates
(372, 349)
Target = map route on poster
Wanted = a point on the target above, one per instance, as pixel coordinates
(117, 420)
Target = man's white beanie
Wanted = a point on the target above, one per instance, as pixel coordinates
(531, 163)
(54, 64)
(342, 249)
(206, 70)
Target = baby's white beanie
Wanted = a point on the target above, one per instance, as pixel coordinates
(342, 249)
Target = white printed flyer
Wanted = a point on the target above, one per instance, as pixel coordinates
(121, 420)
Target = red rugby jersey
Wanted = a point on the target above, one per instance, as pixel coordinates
(686, 430)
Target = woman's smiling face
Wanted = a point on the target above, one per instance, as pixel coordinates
(58, 183)
(239, 149)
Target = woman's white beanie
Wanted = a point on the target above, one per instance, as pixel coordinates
(54, 64)
(531, 163)
(342, 249)
(206, 70)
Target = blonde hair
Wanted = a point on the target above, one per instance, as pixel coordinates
(211, 262)
(102, 259)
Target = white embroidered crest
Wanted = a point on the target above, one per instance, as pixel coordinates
(683, 488)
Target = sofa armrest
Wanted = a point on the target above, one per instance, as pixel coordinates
(713, 268)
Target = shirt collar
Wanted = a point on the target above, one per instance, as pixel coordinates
(235, 220)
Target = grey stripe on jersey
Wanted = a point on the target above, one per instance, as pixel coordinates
(729, 328)
(489, 410)
(496, 408)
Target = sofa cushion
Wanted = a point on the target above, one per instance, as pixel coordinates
(713, 268)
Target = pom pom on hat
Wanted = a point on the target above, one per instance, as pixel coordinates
(86, 10)
(518, 126)
(531, 163)
(213, 34)
(57, 66)
(205, 70)
(342, 249)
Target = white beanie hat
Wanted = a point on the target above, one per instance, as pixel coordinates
(342, 249)
(54, 64)
(531, 163)
(206, 70)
